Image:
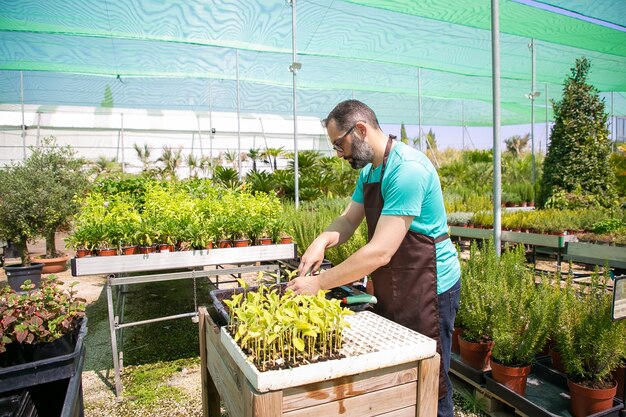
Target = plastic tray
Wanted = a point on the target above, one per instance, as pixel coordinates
(46, 370)
(547, 395)
(458, 366)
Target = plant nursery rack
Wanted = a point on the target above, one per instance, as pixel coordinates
(388, 370)
(166, 266)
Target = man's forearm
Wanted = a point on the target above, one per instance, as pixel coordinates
(361, 263)
(339, 231)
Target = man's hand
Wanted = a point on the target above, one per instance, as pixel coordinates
(312, 258)
(305, 285)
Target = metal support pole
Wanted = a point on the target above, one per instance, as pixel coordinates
(497, 163)
(38, 128)
(532, 112)
(547, 121)
(462, 125)
(612, 126)
(23, 120)
(199, 136)
(294, 67)
(419, 107)
(238, 115)
(210, 127)
(122, 140)
(112, 330)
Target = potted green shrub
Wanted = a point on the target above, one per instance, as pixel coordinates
(519, 321)
(591, 345)
(22, 218)
(478, 293)
(64, 179)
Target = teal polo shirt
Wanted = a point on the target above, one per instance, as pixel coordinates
(411, 187)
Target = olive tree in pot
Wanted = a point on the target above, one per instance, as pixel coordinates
(591, 345)
(21, 218)
(63, 179)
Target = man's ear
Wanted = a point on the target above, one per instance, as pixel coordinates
(362, 127)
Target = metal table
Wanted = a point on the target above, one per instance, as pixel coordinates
(117, 269)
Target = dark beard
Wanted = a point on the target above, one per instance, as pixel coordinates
(362, 153)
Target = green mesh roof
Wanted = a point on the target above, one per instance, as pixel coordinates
(154, 54)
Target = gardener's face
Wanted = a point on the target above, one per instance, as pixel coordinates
(351, 145)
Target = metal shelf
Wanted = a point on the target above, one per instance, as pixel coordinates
(170, 263)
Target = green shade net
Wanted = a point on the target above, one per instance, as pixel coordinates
(159, 55)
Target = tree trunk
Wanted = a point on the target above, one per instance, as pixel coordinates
(51, 249)
(22, 249)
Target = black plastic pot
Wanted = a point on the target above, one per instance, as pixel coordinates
(18, 274)
(54, 383)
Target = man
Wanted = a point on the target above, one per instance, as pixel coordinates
(413, 263)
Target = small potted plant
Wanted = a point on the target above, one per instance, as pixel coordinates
(480, 286)
(520, 324)
(39, 323)
(591, 345)
(42, 341)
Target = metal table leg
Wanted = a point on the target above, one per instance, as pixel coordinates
(112, 329)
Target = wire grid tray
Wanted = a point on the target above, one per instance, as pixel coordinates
(371, 343)
(369, 332)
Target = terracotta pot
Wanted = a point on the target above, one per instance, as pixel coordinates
(513, 378)
(618, 375)
(130, 250)
(586, 401)
(106, 252)
(53, 265)
(475, 355)
(557, 363)
(285, 240)
(81, 253)
(224, 243)
(165, 248)
(147, 249)
(240, 243)
(209, 245)
(455, 340)
(264, 241)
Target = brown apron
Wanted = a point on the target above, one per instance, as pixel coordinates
(406, 288)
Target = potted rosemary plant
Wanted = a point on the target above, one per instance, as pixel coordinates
(591, 345)
(520, 323)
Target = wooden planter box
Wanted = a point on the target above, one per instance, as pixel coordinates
(395, 382)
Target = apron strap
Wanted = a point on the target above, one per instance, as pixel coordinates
(442, 238)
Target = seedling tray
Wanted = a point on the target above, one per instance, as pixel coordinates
(47, 370)
(218, 296)
(372, 342)
(547, 395)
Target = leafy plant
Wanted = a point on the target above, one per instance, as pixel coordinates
(281, 329)
(590, 343)
(579, 147)
(64, 178)
(38, 316)
(519, 320)
(479, 292)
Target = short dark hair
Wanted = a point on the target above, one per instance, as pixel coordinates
(347, 113)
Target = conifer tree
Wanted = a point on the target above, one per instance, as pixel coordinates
(576, 170)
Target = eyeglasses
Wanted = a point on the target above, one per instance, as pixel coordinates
(336, 144)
